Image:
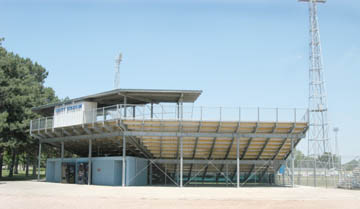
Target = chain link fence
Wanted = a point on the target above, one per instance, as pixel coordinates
(317, 173)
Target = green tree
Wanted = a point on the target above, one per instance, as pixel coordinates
(21, 88)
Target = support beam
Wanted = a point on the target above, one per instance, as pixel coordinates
(181, 162)
(151, 174)
(237, 163)
(90, 162)
(65, 132)
(49, 134)
(76, 131)
(37, 137)
(217, 162)
(175, 134)
(62, 151)
(87, 130)
(181, 143)
(41, 135)
(62, 159)
(292, 163)
(39, 161)
(124, 162)
(139, 98)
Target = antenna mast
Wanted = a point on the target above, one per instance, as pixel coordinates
(117, 71)
(318, 135)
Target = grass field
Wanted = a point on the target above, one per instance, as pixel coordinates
(21, 176)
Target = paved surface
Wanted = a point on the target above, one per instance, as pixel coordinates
(38, 195)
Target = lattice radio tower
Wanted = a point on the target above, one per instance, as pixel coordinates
(318, 135)
(117, 71)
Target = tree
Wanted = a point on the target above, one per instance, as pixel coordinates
(21, 88)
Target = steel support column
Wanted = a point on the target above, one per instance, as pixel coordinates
(151, 174)
(124, 162)
(62, 158)
(89, 162)
(62, 151)
(39, 162)
(181, 143)
(181, 162)
(238, 162)
(292, 163)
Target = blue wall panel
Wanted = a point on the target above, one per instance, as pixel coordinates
(105, 170)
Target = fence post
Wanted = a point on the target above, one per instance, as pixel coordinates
(299, 172)
(325, 173)
(307, 173)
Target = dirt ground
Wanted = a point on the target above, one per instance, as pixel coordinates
(41, 195)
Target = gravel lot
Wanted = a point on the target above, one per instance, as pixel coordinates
(39, 195)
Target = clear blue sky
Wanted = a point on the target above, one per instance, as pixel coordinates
(241, 53)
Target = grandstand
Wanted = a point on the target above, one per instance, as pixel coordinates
(159, 137)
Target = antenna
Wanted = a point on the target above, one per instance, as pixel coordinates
(117, 71)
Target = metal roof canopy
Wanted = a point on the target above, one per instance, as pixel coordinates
(133, 96)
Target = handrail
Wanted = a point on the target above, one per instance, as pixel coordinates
(169, 112)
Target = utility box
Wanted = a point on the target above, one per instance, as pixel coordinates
(74, 114)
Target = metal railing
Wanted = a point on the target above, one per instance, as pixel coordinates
(173, 112)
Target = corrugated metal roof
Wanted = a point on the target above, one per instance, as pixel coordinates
(134, 96)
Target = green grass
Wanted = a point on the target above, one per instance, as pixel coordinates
(21, 176)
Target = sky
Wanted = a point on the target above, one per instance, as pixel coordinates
(251, 53)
